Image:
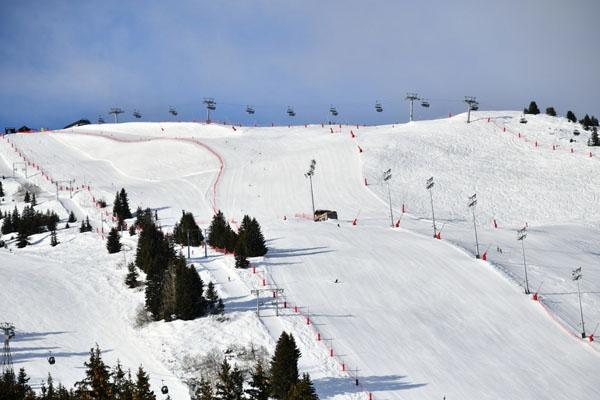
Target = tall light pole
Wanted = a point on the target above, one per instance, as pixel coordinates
(471, 204)
(429, 186)
(472, 104)
(577, 275)
(211, 105)
(387, 176)
(309, 175)
(411, 97)
(521, 235)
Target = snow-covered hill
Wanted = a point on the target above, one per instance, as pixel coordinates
(416, 316)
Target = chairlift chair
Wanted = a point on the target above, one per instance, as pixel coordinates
(51, 359)
(100, 119)
(378, 107)
(164, 389)
(424, 103)
(523, 120)
(333, 111)
(137, 114)
(249, 110)
(475, 107)
(290, 112)
(172, 111)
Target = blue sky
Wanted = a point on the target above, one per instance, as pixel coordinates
(65, 60)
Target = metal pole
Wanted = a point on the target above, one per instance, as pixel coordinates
(433, 214)
(525, 266)
(469, 114)
(581, 311)
(312, 197)
(205, 245)
(188, 242)
(277, 302)
(476, 239)
(411, 110)
(390, 198)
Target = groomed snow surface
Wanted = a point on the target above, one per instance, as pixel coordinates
(412, 317)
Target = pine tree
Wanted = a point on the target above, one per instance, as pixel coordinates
(218, 228)
(53, 239)
(27, 198)
(586, 122)
(96, 383)
(259, 384)
(571, 116)
(284, 366)
(303, 390)
(117, 209)
(33, 200)
(132, 230)
(212, 298)
(204, 391)
(189, 302)
(72, 217)
(241, 260)
(230, 383)
(594, 121)
(125, 210)
(23, 390)
(551, 111)
(50, 390)
(113, 244)
(118, 381)
(22, 239)
(1, 190)
(533, 108)
(594, 140)
(256, 241)
(131, 280)
(142, 387)
(187, 229)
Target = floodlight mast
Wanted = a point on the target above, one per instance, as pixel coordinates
(210, 105)
(309, 175)
(411, 97)
(116, 111)
(471, 204)
(387, 176)
(472, 104)
(521, 235)
(429, 186)
(576, 276)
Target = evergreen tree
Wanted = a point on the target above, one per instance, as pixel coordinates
(187, 229)
(113, 244)
(118, 381)
(50, 390)
(142, 387)
(571, 116)
(53, 239)
(586, 122)
(1, 190)
(259, 384)
(125, 211)
(33, 200)
(303, 390)
(189, 302)
(241, 252)
(251, 239)
(230, 383)
(284, 366)
(594, 140)
(85, 225)
(218, 229)
(551, 111)
(23, 390)
(27, 198)
(533, 108)
(204, 391)
(132, 230)
(594, 121)
(22, 239)
(131, 280)
(117, 208)
(72, 217)
(212, 299)
(96, 383)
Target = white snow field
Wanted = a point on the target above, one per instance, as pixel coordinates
(411, 317)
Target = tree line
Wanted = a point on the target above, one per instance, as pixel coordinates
(28, 223)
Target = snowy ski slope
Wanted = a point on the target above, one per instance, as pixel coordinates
(418, 317)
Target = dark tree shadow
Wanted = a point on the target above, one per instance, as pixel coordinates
(327, 387)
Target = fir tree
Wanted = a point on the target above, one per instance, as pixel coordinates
(303, 390)
(551, 111)
(259, 384)
(189, 301)
(594, 121)
(586, 122)
(1, 190)
(594, 140)
(117, 209)
(230, 383)
(113, 244)
(96, 383)
(72, 217)
(118, 381)
(132, 230)
(533, 108)
(67, 226)
(218, 229)
(571, 116)
(53, 239)
(212, 299)
(131, 280)
(187, 231)
(241, 260)
(284, 366)
(22, 239)
(125, 211)
(142, 386)
(23, 390)
(204, 391)
(33, 200)
(27, 198)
